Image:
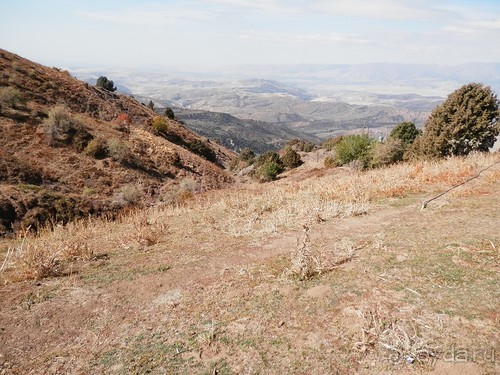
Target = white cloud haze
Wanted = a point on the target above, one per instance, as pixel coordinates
(174, 33)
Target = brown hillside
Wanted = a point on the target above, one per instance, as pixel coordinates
(65, 154)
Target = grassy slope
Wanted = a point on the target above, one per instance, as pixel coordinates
(208, 288)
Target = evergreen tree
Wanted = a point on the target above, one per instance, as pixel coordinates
(467, 121)
(105, 84)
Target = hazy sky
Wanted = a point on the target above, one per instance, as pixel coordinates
(198, 33)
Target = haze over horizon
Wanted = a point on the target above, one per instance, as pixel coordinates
(199, 34)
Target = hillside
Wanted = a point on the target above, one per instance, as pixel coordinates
(69, 149)
(325, 271)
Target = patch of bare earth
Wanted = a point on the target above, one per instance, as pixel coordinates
(218, 288)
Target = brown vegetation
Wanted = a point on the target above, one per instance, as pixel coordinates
(62, 138)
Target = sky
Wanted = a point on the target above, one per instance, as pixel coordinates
(218, 33)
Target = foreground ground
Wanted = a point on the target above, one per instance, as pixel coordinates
(322, 272)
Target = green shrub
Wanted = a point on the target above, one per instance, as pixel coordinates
(291, 159)
(268, 157)
(268, 166)
(269, 171)
(105, 84)
(202, 149)
(354, 147)
(406, 132)
(160, 125)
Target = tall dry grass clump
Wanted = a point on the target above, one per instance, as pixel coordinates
(50, 252)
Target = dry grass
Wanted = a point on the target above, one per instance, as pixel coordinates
(48, 253)
(208, 296)
(247, 211)
(147, 229)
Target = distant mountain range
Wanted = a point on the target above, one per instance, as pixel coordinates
(319, 100)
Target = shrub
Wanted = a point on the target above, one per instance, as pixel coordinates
(119, 151)
(467, 121)
(268, 166)
(11, 97)
(406, 132)
(246, 154)
(169, 113)
(300, 145)
(63, 129)
(179, 195)
(200, 148)
(97, 148)
(330, 162)
(268, 157)
(269, 171)
(175, 159)
(105, 84)
(122, 123)
(354, 147)
(291, 159)
(388, 152)
(330, 143)
(128, 195)
(160, 125)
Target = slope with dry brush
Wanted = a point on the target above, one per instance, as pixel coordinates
(323, 271)
(69, 149)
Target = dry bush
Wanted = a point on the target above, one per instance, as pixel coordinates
(389, 152)
(97, 148)
(308, 261)
(401, 338)
(63, 128)
(130, 194)
(405, 343)
(119, 150)
(252, 210)
(11, 97)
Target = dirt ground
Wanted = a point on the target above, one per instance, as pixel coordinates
(410, 291)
